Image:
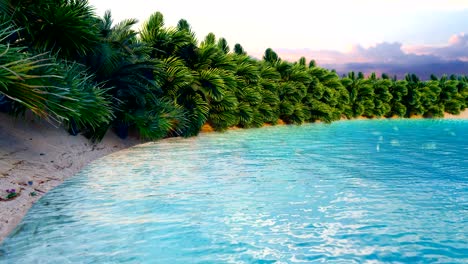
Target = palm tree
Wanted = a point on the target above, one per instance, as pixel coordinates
(124, 64)
(223, 45)
(412, 100)
(251, 108)
(451, 96)
(361, 94)
(239, 50)
(91, 105)
(165, 42)
(200, 79)
(430, 93)
(462, 91)
(50, 89)
(178, 53)
(67, 28)
(271, 57)
(214, 75)
(398, 90)
(382, 95)
(158, 119)
(327, 99)
(269, 79)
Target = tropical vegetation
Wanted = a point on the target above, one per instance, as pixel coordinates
(67, 65)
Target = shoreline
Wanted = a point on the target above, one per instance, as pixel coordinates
(462, 115)
(35, 157)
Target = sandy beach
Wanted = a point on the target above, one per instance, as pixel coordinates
(462, 115)
(36, 157)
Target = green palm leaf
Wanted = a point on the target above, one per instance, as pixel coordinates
(159, 119)
(210, 83)
(66, 27)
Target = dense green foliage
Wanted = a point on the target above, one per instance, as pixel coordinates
(61, 61)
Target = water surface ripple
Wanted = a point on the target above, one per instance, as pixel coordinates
(350, 192)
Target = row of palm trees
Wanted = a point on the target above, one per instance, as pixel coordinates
(65, 64)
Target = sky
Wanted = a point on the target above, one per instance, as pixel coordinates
(329, 31)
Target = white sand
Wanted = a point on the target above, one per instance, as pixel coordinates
(36, 151)
(462, 115)
(32, 150)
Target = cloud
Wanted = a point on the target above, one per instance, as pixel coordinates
(384, 52)
(455, 49)
(423, 70)
(381, 53)
(392, 58)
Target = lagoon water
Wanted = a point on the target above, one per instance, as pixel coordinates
(349, 192)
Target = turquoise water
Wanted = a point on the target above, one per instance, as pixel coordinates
(350, 192)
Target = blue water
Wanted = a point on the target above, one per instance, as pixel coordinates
(350, 192)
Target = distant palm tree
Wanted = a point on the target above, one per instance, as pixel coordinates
(398, 89)
(239, 50)
(463, 91)
(382, 96)
(268, 82)
(214, 77)
(165, 42)
(451, 98)
(361, 94)
(251, 110)
(271, 57)
(412, 100)
(327, 99)
(200, 79)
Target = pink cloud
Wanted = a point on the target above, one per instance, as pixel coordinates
(391, 58)
(385, 52)
(455, 49)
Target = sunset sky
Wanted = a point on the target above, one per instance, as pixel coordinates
(329, 31)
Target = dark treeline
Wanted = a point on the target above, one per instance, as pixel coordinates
(64, 63)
